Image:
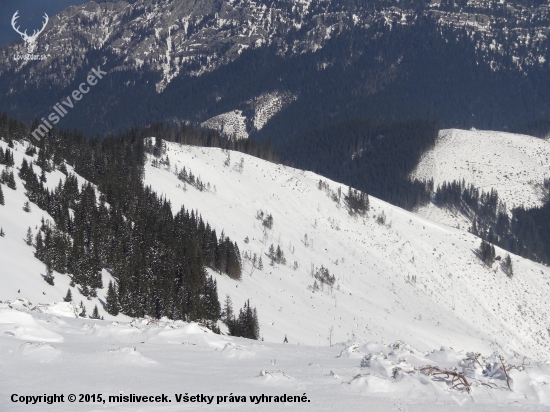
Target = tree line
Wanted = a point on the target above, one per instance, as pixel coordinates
(525, 232)
(373, 156)
(115, 222)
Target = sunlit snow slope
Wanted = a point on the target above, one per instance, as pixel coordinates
(409, 278)
(513, 164)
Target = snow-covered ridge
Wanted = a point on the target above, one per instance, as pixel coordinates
(409, 278)
(513, 164)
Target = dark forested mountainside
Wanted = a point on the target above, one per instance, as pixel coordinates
(408, 72)
(188, 134)
(374, 156)
(386, 70)
(158, 257)
(539, 127)
(525, 233)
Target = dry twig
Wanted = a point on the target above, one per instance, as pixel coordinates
(458, 380)
(507, 368)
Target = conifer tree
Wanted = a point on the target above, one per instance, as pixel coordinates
(2, 234)
(31, 151)
(49, 278)
(39, 254)
(159, 147)
(246, 325)
(228, 309)
(24, 170)
(111, 305)
(69, 296)
(82, 313)
(95, 313)
(63, 169)
(253, 329)
(29, 237)
(486, 253)
(211, 301)
(508, 265)
(2, 201)
(255, 326)
(27, 207)
(8, 158)
(9, 179)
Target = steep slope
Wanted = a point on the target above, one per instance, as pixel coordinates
(514, 165)
(21, 274)
(397, 276)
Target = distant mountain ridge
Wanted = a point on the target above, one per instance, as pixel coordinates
(462, 63)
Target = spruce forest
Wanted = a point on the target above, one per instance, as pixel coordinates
(159, 258)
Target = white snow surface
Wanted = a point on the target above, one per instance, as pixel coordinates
(513, 164)
(264, 107)
(155, 357)
(411, 279)
(232, 123)
(409, 293)
(268, 105)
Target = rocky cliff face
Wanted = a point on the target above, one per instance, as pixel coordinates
(148, 44)
(172, 38)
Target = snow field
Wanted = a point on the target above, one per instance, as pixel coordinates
(231, 124)
(265, 106)
(513, 164)
(155, 357)
(410, 279)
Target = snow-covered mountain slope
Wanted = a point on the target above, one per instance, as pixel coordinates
(406, 278)
(267, 105)
(513, 164)
(21, 274)
(256, 113)
(231, 124)
(409, 278)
